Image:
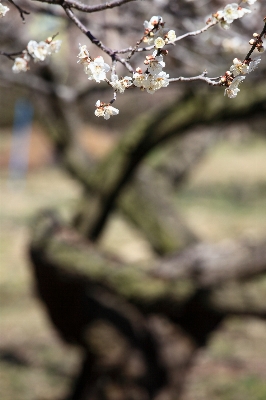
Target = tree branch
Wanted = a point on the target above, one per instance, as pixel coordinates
(85, 8)
(21, 11)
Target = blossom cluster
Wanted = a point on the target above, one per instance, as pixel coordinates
(95, 68)
(38, 51)
(154, 32)
(105, 110)
(234, 76)
(3, 10)
(151, 80)
(152, 77)
(230, 13)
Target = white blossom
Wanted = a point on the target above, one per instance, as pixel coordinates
(84, 55)
(232, 90)
(253, 64)
(38, 51)
(3, 10)
(242, 11)
(97, 69)
(238, 67)
(105, 110)
(229, 14)
(171, 36)
(139, 80)
(155, 20)
(120, 84)
(159, 43)
(156, 82)
(156, 64)
(151, 82)
(20, 64)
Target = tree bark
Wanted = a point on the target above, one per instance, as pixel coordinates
(129, 317)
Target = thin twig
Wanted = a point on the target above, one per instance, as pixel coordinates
(263, 32)
(21, 11)
(201, 77)
(11, 56)
(149, 48)
(97, 42)
(197, 32)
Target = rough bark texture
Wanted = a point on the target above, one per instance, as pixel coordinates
(126, 317)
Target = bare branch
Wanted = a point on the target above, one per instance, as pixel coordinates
(197, 32)
(21, 11)
(211, 264)
(83, 7)
(97, 42)
(11, 56)
(201, 77)
(204, 265)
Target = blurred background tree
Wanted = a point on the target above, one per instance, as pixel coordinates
(156, 244)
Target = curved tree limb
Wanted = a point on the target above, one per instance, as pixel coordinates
(202, 266)
(109, 178)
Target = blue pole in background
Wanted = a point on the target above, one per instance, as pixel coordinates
(19, 154)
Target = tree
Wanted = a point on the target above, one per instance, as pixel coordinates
(121, 314)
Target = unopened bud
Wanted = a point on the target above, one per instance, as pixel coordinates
(255, 35)
(251, 42)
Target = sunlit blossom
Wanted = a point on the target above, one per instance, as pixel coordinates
(21, 64)
(105, 110)
(159, 43)
(84, 55)
(156, 82)
(96, 70)
(122, 84)
(229, 14)
(155, 20)
(3, 10)
(232, 90)
(238, 67)
(38, 51)
(254, 64)
(171, 36)
(139, 79)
